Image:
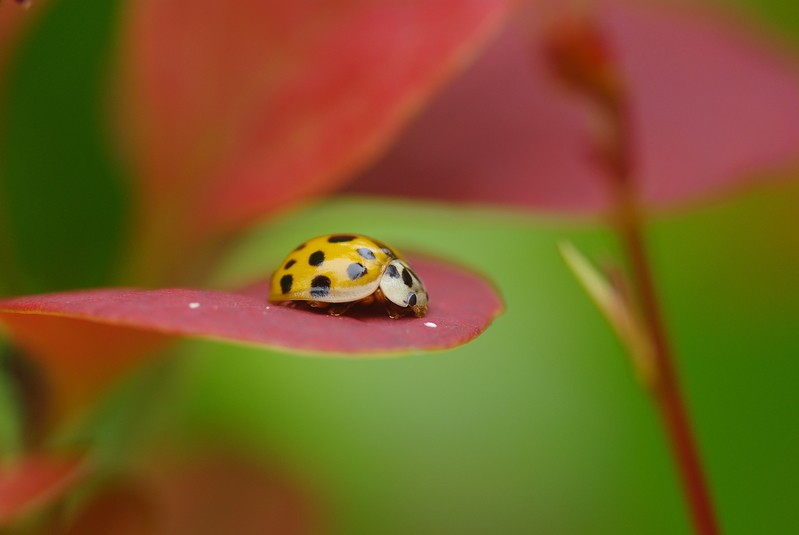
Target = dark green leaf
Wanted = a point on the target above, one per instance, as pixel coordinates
(63, 195)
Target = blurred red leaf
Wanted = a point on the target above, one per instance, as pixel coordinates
(79, 358)
(35, 481)
(202, 494)
(501, 133)
(234, 110)
(86, 337)
(13, 19)
(712, 106)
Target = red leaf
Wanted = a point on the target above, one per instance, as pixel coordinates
(80, 359)
(502, 133)
(236, 109)
(202, 494)
(711, 107)
(13, 20)
(711, 113)
(86, 337)
(34, 482)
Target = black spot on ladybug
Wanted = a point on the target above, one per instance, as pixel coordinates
(316, 258)
(356, 271)
(300, 247)
(289, 263)
(366, 253)
(285, 283)
(412, 300)
(392, 271)
(406, 278)
(338, 238)
(388, 251)
(320, 286)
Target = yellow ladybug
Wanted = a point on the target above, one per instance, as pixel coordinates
(336, 271)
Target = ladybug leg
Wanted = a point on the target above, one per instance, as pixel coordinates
(339, 309)
(392, 313)
(391, 310)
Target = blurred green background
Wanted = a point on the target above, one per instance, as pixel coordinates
(536, 426)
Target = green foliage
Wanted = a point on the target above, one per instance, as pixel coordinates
(64, 198)
(728, 277)
(782, 15)
(10, 439)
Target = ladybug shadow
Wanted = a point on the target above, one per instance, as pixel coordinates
(359, 311)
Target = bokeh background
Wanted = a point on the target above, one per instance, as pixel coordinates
(537, 426)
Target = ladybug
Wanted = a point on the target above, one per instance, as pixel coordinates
(336, 271)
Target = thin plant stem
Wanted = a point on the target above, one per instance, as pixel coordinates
(666, 388)
(583, 58)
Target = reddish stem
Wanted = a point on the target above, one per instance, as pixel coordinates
(666, 389)
(584, 59)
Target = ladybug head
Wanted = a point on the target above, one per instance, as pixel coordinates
(401, 286)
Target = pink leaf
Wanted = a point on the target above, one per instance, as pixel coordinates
(196, 494)
(14, 18)
(86, 337)
(234, 110)
(34, 482)
(712, 108)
